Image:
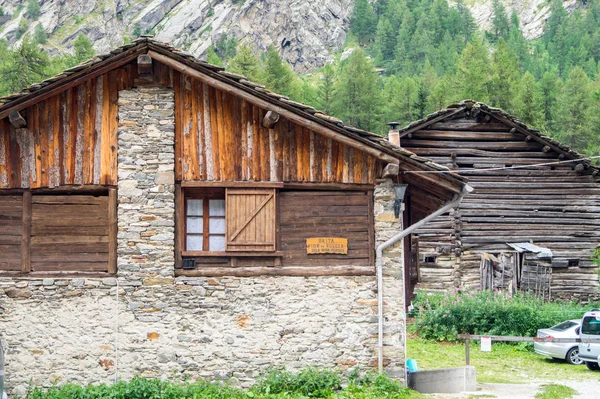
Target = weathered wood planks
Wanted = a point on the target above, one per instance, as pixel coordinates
(70, 138)
(222, 138)
(554, 206)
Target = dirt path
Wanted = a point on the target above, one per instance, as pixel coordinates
(585, 390)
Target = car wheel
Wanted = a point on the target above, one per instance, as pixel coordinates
(592, 366)
(573, 356)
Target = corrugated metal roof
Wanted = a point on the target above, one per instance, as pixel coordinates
(529, 247)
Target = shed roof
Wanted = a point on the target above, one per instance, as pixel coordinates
(126, 53)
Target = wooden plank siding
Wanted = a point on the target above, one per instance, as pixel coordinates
(70, 138)
(305, 214)
(221, 138)
(555, 206)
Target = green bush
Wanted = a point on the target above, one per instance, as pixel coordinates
(308, 383)
(444, 316)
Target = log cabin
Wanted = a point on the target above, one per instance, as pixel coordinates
(551, 211)
(163, 217)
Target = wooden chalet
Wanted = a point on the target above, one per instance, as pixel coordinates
(554, 207)
(59, 156)
(227, 225)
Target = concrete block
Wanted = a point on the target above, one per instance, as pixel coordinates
(453, 380)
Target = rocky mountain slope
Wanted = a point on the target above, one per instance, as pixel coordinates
(307, 32)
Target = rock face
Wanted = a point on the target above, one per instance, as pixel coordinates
(306, 33)
(532, 13)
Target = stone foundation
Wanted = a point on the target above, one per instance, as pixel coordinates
(145, 321)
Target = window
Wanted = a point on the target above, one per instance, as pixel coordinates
(229, 220)
(590, 325)
(564, 326)
(205, 223)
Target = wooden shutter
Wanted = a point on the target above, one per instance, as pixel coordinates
(250, 219)
(11, 229)
(70, 233)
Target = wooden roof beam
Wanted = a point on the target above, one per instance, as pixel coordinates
(17, 120)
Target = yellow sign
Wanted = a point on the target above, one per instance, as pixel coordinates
(327, 245)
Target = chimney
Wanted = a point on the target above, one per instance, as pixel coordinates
(394, 134)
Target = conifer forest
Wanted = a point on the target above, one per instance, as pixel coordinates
(404, 59)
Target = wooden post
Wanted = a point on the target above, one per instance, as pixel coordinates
(112, 230)
(144, 64)
(467, 354)
(179, 233)
(26, 234)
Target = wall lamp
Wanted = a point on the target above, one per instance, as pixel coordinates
(400, 190)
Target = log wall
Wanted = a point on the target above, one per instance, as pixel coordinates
(554, 206)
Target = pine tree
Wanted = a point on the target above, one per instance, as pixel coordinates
(500, 24)
(528, 102)
(23, 66)
(363, 21)
(325, 88)
(279, 76)
(33, 9)
(83, 49)
(472, 72)
(212, 57)
(246, 63)
(574, 107)
(40, 34)
(385, 40)
(549, 86)
(357, 93)
(504, 71)
(468, 24)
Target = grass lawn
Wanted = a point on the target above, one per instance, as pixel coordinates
(504, 364)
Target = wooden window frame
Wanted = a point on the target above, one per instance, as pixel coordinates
(215, 191)
(27, 196)
(209, 194)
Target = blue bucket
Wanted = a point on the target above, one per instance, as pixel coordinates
(411, 365)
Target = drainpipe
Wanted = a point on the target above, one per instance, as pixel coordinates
(379, 254)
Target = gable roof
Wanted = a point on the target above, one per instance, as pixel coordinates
(474, 108)
(187, 63)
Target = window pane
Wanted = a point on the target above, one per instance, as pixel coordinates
(216, 226)
(194, 207)
(194, 243)
(216, 243)
(216, 207)
(195, 225)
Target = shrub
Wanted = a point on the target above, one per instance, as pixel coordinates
(444, 316)
(308, 382)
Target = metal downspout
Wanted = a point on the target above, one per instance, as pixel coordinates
(379, 256)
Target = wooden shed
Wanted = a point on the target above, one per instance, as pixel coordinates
(553, 206)
(230, 227)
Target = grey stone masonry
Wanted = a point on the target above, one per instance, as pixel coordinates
(146, 322)
(386, 226)
(146, 211)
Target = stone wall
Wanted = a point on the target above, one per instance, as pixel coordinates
(145, 321)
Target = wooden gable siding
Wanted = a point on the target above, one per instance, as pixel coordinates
(221, 138)
(70, 138)
(556, 207)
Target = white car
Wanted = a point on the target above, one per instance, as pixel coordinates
(568, 351)
(590, 328)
